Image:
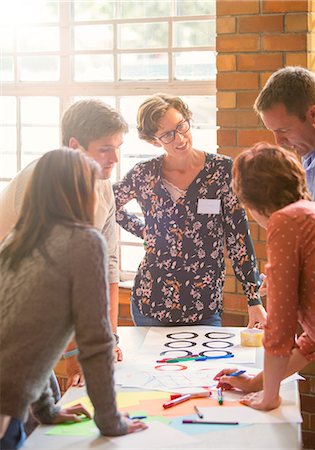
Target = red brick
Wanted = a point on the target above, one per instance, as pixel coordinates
(243, 119)
(306, 420)
(226, 99)
(262, 234)
(230, 284)
(234, 319)
(232, 7)
(308, 438)
(226, 62)
(296, 59)
(226, 137)
(260, 250)
(307, 403)
(284, 42)
(237, 80)
(312, 380)
(304, 385)
(226, 25)
(238, 43)
(259, 61)
(235, 302)
(295, 22)
(276, 6)
(247, 138)
(264, 76)
(254, 231)
(312, 422)
(246, 99)
(228, 151)
(261, 24)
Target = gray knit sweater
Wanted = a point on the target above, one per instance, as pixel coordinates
(41, 305)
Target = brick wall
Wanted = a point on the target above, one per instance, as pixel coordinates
(255, 38)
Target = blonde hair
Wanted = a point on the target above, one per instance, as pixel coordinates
(153, 109)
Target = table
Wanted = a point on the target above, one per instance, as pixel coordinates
(256, 436)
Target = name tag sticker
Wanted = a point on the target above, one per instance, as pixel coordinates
(208, 206)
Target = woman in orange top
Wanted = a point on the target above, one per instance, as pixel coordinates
(270, 182)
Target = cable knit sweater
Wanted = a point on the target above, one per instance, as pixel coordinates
(50, 296)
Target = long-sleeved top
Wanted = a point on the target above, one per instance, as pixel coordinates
(181, 277)
(11, 199)
(42, 304)
(291, 280)
(308, 162)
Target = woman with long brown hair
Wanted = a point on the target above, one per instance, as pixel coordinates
(53, 277)
(270, 182)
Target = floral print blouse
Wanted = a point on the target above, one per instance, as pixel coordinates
(181, 278)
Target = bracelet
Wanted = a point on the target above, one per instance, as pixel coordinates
(116, 337)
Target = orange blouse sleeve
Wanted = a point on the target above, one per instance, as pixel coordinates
(283, 250)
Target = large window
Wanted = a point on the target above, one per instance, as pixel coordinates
(55, 52)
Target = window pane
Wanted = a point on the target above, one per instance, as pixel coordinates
(8, 156)
(146, 35)
(129, 237)
(129, 108)
(40, 110)
(147, 66)
(6, 68)
(7, 110)
(36, 141)
(93, 10)
(93, 37)
(194, 34)
(7, 39)
(21, 11)
(195, 66)
(39, 68)
(37, 39)
(3, 184)
(203, 110)
(145, 8)
(195, 7)
(93, 68)
(131, 257)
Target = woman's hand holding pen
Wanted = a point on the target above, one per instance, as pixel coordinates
(244, 382)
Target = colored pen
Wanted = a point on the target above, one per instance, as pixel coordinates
(199, 414)
(204, 358)
(205, 422)
(180, 358)
(220, 396)
(176, 401)
(237, 374)
(196, 395)
(138, 417)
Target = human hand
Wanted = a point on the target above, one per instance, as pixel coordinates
(256, 316)
(256, 400)
(118, 354)
(242, 382)
(135, 425)
(72, 414)
(74, 373)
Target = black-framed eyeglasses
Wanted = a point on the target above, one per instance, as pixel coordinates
(169, 137)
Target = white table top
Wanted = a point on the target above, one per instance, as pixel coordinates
(255, 436)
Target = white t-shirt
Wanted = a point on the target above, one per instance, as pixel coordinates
(11, 199)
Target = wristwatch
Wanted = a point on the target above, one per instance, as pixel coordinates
(116, 338)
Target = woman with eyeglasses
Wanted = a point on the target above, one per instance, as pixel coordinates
(189, 213)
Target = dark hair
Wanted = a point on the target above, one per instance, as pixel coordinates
(153, 109)
(89, 120)
(61, 190)
(267, 178)
(294, 87)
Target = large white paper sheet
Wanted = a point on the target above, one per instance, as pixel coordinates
(243, 414)
(158, 435)
(158, 345)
